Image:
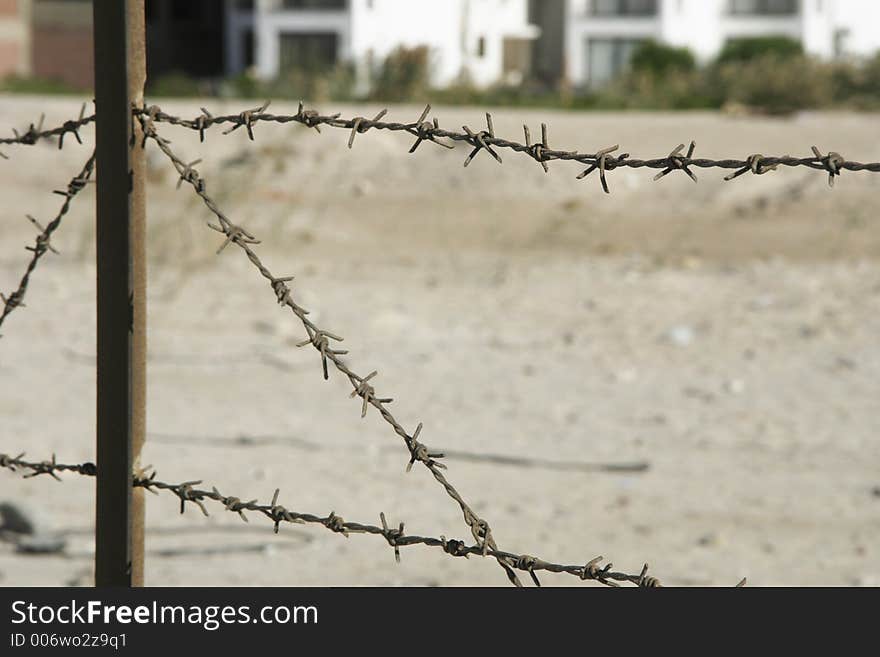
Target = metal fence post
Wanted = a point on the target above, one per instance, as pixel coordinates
(119, 77)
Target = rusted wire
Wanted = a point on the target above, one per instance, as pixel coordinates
(188, 493)
(424, 129)
(42, 244)
(35, 133)
(320, 339)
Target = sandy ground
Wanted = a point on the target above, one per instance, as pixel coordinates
(723, 333)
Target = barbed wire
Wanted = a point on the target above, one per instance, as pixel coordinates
(321, 338)
(35, 133)
(425, 130)
(187, 492)
(324, 341)
(42, 242)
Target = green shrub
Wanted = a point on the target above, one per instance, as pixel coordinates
(176, 84)
(777, 85)
(243, 85)
(659, 60)
(403, 76)
(743, 50)
(296, 84)
(857, 84)
(33, 85)
(312, 85)
(530, 93)
(676, 90)
(871, 70)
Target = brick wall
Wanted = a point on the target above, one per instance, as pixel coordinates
(8, 8)
(64, 53)
(13, 38)
(10, 58)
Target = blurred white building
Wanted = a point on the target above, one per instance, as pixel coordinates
(485, 41)
(600, 35)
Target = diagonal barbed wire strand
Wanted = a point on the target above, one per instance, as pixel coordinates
(42, 242)
(422, 129)
(396, 538)
(320, 339)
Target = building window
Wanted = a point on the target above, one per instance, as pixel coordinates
(481, 47)
(516, 59)
(186, 11)
(608, 58)
(309, 53)
(764, 7)
(248, 48)
(623, 8)
(314, 4)
(841, 37)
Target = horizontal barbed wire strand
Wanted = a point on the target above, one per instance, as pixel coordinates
(42, 243)
(396, 538)
(423, 129)
(35, 133)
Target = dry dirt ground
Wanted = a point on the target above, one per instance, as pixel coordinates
(725, 334)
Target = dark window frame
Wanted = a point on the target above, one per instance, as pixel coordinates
(313, 5)
(619, 46)
(780, 8)
(628, 8)
(319, 51)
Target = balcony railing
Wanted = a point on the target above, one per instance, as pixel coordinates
(610, 8)
(291, 5)
(763, 7)
(332, 5)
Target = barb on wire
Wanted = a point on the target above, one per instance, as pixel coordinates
(429, 130)
(234, 234)
(539, 149)
(35, 133)
(246, 119)
(604, 162)
(424, 130)
(755, 164)
(312, 119)
(678, 162)
(358, 126)
(833, 162)
(482, 141)
(367, 392)
(42, 242)
(320, 340)
(421, 454)
(188, 492)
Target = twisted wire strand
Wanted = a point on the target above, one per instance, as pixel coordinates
(187, 492)
(35, 133)
(423, 130)
(320, 339)
(42, 242)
